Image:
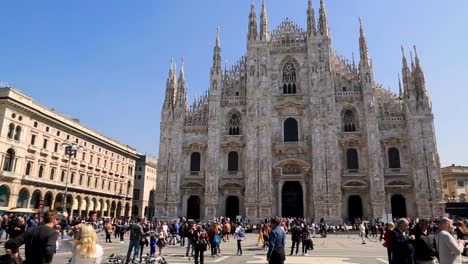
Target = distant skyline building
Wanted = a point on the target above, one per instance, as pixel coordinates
(294, 129)
(35, 167)
(145, 187)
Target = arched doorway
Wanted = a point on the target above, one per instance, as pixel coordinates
(193, 207)
(23, 198)
(127, 210)
(35, 199)
(4, 196)
(48, 198)
(398, 206)
(232, 207)
(292, 200)
(135, 211)
(354, 208)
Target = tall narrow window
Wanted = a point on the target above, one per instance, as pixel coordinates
(234, 124)
(352, 159)
(349, 121)
(72, 180)
(195, 160)
(17, 133)
(291, 131)
(52, 173)
(11, 130)
(33, 139)
(233, 161)
(81, 180)
(62, 176)
(393, 158)
(89, 181)
(28, 169)
(56, 147)
(289, 79)
(41, 171)
(9, 158)
(44, 144)
(103, 184)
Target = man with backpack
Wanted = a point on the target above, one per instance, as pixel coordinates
(214, 239)
(240, 236)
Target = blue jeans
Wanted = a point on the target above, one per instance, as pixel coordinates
(133, 246)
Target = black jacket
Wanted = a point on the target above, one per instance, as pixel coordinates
(40, 244)
(424, 244)
(402, 249)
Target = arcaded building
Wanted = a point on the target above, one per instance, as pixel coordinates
(35, 167)
(295, 129)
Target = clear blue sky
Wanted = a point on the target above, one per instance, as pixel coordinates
(106, 62)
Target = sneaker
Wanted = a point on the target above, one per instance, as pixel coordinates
(219, 255)
(306, 254)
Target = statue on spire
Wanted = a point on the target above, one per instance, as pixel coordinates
(364, 50)
(311, 27)
(252, 35)
(323, 20)
(264, 23)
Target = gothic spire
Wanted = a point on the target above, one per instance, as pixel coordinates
(252, 35)
(323, 20)
(171, 86)
(311, 27)
(216, 68)
(264, 23)
(181, 91)
(364, 50)
(418, 77)
(400, 91)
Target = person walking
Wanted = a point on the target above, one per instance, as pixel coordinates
(388, 241)
(306, 240)
(200, 244)
(402, 248)
(362, 232)
(424, 243)
(40, 242)
(108, 230)
(240, 236)
(296, 235)
(33, 221)
(447, 246)
(84, 247)
(276, 242)
(136, 232)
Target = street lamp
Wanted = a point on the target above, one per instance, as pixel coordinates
(70, 151)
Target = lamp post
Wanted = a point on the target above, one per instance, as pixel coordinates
(70, 151)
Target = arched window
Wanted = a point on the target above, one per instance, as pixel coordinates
(233, 161)
(41, 171)
(17, 133)
(109, 186)
(234, 124)
(349, 121)
(195, 160)
(352, 159)
(72, 180)
(52, 173)
(9, 158)
(89, 181)
(289, 79)
(81, 180)
(28, 169)
(129, 187)
(11, 130)
(291, 131)
(103, 184)
(394, 158)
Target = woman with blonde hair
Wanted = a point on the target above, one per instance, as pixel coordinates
(84, 247)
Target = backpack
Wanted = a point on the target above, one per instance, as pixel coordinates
(241, 232)
(216, 240)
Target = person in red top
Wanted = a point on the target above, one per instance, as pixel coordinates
(388, 241)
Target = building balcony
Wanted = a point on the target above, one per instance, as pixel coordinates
(90, 166)
(194, 173)
(55, 155)
(297, 147)
(32, 149)
(389, 172)
(98, 168)
(74, 161)
(44, 152)
(354, 172)
(8, 176)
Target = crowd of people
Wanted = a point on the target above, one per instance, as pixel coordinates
(415, 241)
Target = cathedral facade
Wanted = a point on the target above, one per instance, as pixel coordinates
(294, 129)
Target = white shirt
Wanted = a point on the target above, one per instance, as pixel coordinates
(448, 248)
(67, 246)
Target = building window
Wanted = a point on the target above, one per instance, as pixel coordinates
(234, 124)
(83, 156)
(81, 179)
(103, 184)
(33, 139)
(349, 121)
(17, 133)
(35, 124)
(52, 173)
(89, 181)
(9, 158)
(62, 176)
(195, 161)
(58, 133)
(99, 161)
(291, 131)
(56, 146)
(136, 194)
(139, 177)
(91, 159)
(11, 130)
(47, 129)
(233, 161)
(44, 144)
(289, 79)
(109, 186)
(41, 171)
(394, 158)
(28, 169)
(96, 181)
(129, 187)
(68, 137)
(352, 159)
(461, 183)
(72, 180)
